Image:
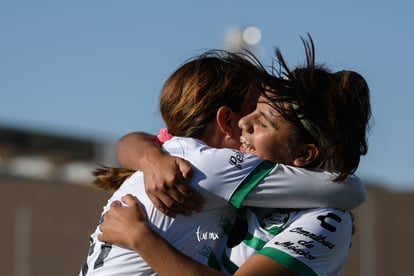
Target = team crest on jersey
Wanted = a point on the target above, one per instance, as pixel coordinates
(274, 221)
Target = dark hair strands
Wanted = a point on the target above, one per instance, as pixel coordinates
(335, 105)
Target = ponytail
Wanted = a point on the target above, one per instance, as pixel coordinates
(110, 178)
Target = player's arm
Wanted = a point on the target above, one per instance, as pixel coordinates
(267, 185)
(166, 177)
(293, 187)
(133, 149)
(125, 225)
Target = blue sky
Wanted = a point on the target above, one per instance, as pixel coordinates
(94, 68)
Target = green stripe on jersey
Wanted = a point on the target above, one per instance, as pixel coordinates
(250, 182)
(253, 242)
(228, 264)
(213, 262)
(288, 261)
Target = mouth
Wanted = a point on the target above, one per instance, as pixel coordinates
(245, 146)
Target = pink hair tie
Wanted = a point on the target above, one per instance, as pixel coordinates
(163, 136)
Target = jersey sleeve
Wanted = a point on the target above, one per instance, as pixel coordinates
(246, 180)
(222, 172)
(316, 242)
(293, 187)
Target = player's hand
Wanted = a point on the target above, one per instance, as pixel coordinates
(124, 224)
(166, 181)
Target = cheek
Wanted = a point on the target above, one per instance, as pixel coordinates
(273, 149)
(273, 153)
(265, 148)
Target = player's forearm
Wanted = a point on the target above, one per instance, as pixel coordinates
(166, 260)
(135, 149)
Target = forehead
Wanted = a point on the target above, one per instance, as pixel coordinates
(268, 111)
(265, 105)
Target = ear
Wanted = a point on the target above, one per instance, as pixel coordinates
(226, 120)
(307, 154)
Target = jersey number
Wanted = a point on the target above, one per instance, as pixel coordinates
(105, 249)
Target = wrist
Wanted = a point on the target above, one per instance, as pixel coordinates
(142, 237)
(150, 156)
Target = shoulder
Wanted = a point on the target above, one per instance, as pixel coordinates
(319, 231)
(328, 221)
(313, 239)
(205, 157)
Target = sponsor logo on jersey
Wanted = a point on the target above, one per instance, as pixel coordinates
(297, 248)
(327, 220)
(237, 159)
(203, 235)
(317, 238)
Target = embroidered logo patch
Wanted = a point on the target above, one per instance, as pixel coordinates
(274, 221)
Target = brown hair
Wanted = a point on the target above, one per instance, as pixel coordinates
(331, 110)
(191, 96)
(109, 178)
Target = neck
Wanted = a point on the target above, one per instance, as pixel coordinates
(213, 137)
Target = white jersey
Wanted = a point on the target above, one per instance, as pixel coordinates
(307, 242)
(222, 176)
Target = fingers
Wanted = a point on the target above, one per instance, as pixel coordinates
(129, 199)
(167, 185)
(185, 169)
(121, 220)
(163, 208)
(180, 199)
(116, 203)
(190, 198)
(102, 226)
(101, 237)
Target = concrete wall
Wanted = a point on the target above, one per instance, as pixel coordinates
(45, 229)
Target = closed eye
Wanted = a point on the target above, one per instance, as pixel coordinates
(261, 123)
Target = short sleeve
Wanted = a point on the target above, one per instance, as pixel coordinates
(314, 242)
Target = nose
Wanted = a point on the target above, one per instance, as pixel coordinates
(245, 124)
